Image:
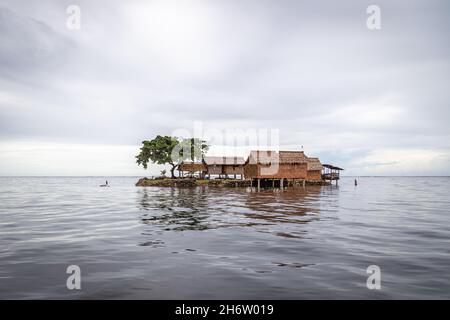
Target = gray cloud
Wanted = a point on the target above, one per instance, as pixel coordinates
(309, 68)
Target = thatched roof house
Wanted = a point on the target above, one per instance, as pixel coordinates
(192, 168)
(276, 165)
(224, 165)
(282, 165)
(263, 165)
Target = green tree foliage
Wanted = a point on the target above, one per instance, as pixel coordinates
(192, 149)
(170, 150)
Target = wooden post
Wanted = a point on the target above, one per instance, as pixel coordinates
(273, 183)
(281, 183)
(259, 184)
(304, 183)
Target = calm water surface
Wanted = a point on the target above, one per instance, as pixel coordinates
(150, 243)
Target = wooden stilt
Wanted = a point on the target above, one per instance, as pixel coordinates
(259, 184)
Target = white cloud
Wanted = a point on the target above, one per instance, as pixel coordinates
(140, 68)
(50, 159)
(420, 162)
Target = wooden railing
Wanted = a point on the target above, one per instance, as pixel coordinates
(330, 176)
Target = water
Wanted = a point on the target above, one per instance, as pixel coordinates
(212, 243)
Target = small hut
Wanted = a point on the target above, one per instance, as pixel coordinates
(224, 167)
(314, 169)
(331, 172)
(268, 166)
(192, 168)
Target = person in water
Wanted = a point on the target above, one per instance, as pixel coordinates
(106, 183)
(356, 182)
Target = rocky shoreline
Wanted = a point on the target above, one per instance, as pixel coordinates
(191, 182)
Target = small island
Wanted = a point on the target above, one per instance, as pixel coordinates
(261, 169)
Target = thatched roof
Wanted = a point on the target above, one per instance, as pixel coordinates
(191, 166)
(268, 157)
(293, 157)
(224, 161)
(284, 157)
(314, 164)
(263, 157)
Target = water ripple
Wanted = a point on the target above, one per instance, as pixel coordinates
(186, 243)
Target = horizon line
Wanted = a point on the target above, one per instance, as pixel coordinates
(135, 176)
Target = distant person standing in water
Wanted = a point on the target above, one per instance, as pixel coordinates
(106, 183)
(356, 182)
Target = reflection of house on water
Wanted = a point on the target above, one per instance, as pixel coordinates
(174, 208)
(287, 213)
(281, 213)
(284, 206)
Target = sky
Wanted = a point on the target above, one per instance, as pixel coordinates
(310, 74)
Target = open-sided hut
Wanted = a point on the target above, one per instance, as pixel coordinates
(224, 166)
(191, 168)
(331, 172)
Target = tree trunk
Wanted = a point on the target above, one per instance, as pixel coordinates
(172, 171)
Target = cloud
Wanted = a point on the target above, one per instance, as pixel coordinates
(310, 69)
(420, 162)
(49, 159)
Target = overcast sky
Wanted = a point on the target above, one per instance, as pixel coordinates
(79, 102)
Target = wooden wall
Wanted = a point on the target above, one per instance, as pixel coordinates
(214, 169)
(287, 171)
(314, 175)
(250, 171)
(233, 170)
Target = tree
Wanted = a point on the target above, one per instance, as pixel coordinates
(170, 150)
(192, 149)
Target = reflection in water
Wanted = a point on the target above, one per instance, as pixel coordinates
(203, 208)
(293, 265)
(217, 243)
(174, 209)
